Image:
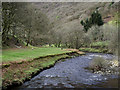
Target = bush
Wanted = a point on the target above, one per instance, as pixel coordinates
(94, 33)
(103, 66)
(98, 63)
(86, 40)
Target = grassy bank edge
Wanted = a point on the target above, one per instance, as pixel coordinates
(95, 50)
(11, 55)
(36, 65)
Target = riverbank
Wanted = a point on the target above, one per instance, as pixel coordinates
(19, 54)
(97, 47)
(17, 72)
(94, 50)
(71, 73)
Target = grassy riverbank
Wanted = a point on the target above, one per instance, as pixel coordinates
(17, 73)
(28, 53)
(20, 65)
(94, 50)
(97, 47)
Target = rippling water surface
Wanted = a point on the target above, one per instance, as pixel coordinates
(71, 74)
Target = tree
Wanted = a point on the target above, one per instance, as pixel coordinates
(95, 19)
(75, 38)
(24, 21)
(10, 11)
(36, 24)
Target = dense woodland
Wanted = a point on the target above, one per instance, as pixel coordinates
(24, 24)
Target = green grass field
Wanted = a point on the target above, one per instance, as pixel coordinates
(28, 53)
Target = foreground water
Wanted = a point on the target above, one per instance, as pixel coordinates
(71, 74)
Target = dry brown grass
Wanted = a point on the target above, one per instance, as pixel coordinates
(75, 50)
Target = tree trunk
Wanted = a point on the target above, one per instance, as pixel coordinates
(27, 42)
(55, 44)
(28, 38)
(77, 43)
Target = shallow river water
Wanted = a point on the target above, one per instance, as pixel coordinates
(71, 74)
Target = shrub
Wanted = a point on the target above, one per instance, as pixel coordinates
(98, 63)
(94, 33)
(103, 66)
(86, 40)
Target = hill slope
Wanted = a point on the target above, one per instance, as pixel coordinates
(67, 15)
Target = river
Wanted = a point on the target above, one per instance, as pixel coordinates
(71, 73)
